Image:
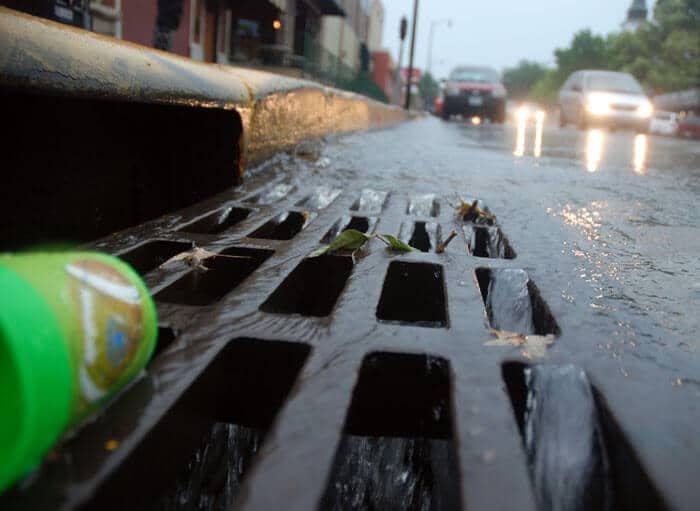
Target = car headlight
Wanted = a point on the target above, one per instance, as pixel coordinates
(451, 91)
(645, 109)
(598, 104)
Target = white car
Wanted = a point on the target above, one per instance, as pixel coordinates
(664, 123)
(604, 98)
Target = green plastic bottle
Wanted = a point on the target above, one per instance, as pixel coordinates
(74, 328)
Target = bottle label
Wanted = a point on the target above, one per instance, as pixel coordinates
(110, 315)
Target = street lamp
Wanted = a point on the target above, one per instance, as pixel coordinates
(433, 24)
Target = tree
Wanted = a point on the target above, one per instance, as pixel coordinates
(587, 51)
(519, 80)
(429, 88)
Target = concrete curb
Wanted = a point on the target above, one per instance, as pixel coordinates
(276, 112)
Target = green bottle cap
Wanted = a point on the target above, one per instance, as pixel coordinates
(35, 362)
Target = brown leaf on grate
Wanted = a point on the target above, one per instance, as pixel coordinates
(473, 213)
(196, 258)
(534, 346)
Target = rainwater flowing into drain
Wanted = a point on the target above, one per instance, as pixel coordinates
(397, 451)
(579, 459)
(513, 303)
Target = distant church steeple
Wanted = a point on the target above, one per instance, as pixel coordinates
(636, 15)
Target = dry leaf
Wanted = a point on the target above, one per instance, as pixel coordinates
(196, 258)
(534, 346)
(473, 213)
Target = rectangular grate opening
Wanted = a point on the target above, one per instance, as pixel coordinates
(201, 449)
(370, 202)
(217, 221)
(578, 457)
(282, 227)
(271, 195)
(488, 242)
(397, 451)
(414, 293)
(321, 198)
(166, 336)
(223, 274)
(149, 256)
(424, 205)
(312, 288)
(424, 236)
(359, 223)
(513, 302)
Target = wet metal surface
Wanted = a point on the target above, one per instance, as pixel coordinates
(610, 259)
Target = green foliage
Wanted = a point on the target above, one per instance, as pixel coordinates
(546, 89)
(664, 54)
(587, 51)
(395, 244)
(429, 88)
(519, 80)
(350, 239)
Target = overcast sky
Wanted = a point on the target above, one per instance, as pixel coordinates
(497, 32)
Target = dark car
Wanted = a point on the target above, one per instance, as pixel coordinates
(689, 126)
(475, 91)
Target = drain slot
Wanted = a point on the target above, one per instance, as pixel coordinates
(204, 287)
(359, 223)
(488, 242)
(513, 303)
(166, 336)
(370, 202)
(282, 227)
(200, 450)
(413, 293)
(312, 288)
(397, 451)
(271, 195)
(578, 458)
(425, 236)
(321, 198)
(218, 221)
(149, 256)
(424, 205)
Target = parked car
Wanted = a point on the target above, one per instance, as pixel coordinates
(475, 91)
(604, 98)
(689, 126)
(664, 123)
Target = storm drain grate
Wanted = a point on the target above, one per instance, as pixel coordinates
(317, 355)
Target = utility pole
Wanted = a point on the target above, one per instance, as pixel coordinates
(410, 60)
(403, 28)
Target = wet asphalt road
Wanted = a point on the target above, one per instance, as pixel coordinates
(606, 222)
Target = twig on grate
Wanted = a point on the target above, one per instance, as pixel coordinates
(442, 246)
